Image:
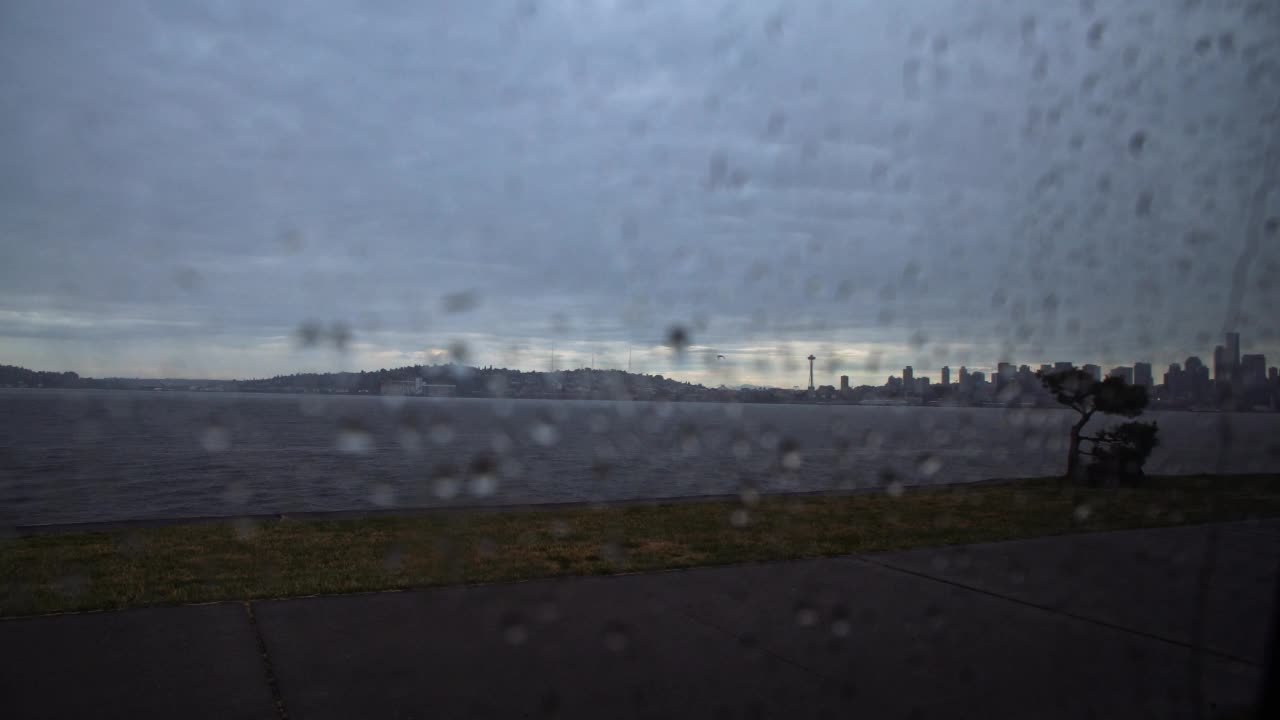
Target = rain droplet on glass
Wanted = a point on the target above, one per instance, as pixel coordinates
(446, 484)
(353, 439)
(382, 494)
(544, 433)
(215, 438)
(615, 636)
(806, 616)
(513, 630)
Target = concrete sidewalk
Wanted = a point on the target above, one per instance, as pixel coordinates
(1103, 625)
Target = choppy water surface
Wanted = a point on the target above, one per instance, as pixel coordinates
(80, 456)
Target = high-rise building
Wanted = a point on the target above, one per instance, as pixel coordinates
(1175, 382)
(1226, 361)
(908, 379)
(1198, 383)
(1123, 372)
(1142, 374)
(1094, 371)
(1062, 365)
(977, 377)
(1221, 365)
(965, 380)
(1005, 375)
(1026, 380)
(1253, 369)
(1045, 368)
(844, 383)
(946, 374)
(1233, 349)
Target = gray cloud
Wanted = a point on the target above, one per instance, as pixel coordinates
(941, 182)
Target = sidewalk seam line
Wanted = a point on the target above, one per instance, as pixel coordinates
(272, 684)
(1058, 611)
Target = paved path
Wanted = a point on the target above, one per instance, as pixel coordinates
(1087, 626)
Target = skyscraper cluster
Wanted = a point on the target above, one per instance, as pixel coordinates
(1233, 373)
(1188, 383)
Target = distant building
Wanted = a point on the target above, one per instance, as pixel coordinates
(417, 386)
(946, 375)
(844, 383)
(977, 377)
(1045, 368)
(1272, 374)
(402, 387)
(908, 379)
(1221, 365)
(1062, 365)
(1253, 369)
(1025, 378)
(1123, 372)
(1142, 374)
(1005, 375)
(1199, 387)
(439, 390)
(965, 381)
(1233, 349)
(1094, 371)
(1175, 383)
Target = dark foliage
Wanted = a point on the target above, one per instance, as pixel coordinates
(1079, 391)
(13, 376)
(1119, 453)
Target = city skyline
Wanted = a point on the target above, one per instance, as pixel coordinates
(1230, 365)
(689, 358)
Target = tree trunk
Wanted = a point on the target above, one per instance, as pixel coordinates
(1073, 451)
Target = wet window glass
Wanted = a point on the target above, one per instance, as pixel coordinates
(582, 358)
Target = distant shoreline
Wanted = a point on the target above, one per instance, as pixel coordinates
(1022, 389)
(540, 398)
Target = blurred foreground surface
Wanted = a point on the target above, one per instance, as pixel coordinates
(1100, 625)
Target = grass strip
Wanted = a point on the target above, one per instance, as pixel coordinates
(238, 560)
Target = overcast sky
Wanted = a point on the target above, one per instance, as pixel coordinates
(185, 185)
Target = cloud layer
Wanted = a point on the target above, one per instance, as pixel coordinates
(184, 185)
